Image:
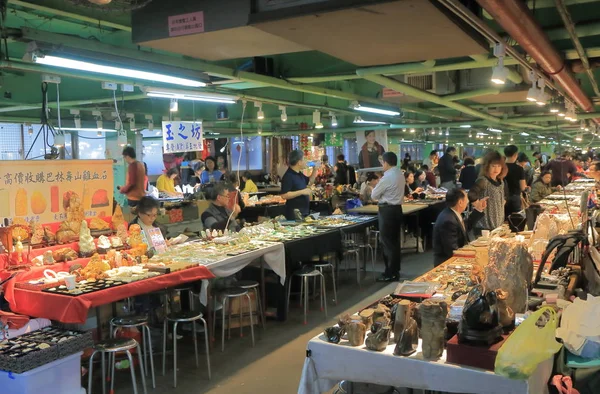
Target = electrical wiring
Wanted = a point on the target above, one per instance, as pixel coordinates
(237, 191)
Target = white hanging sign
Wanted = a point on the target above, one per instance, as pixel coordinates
(182, 136)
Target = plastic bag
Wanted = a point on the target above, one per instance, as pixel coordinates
(528, 346)
(353, 203)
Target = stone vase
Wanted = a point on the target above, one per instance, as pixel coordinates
(402, 312)
(379, 340)
(408, 342)
(356, 332)
(433, 327)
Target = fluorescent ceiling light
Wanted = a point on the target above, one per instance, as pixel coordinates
(465, 126)
(284, 116)
(493, 130)
(359, 107)
(118, 71)
(174, 106)
(541, 136)
(190, 95)
(93, 129)
(524, 134)
(359, 120)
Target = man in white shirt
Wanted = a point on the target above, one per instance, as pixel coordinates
(389, 193)
(450, 231)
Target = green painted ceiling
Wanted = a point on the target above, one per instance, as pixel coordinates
(90, 28)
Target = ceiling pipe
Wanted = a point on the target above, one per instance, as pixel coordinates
(570, 26)
(70, 15)
(433, 98)
(536, 4)
(517, 20)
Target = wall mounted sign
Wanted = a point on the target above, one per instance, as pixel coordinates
(184, 24)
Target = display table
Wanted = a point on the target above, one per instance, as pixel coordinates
(74, 309)
(407, 208)
(327, 364)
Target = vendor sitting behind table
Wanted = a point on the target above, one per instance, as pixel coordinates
(234, 187)
(541, 187)
(367, 188)
(147, 211)
(217, 215)
(166, 182)
(450, 231)
(249, 185)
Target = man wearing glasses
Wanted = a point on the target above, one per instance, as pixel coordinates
(218, 216)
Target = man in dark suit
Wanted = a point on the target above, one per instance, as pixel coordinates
(450, 231)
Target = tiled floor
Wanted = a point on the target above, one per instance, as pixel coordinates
(275, 364)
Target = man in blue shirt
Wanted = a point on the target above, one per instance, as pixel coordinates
(294, 185)
(389, 193)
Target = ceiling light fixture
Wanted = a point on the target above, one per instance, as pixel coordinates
(359, 120)
(500, 73)
(542, 97)
(317, 119)
(190, 95)
(99, 133)
(284, 117)
(465, 126)
(150, 120)
(447, 130)
(174, 105)
(412, 130)
(532, 93)
(524, 134)
(334, 121)
(63, 62)
(554, 105)
(374, 110)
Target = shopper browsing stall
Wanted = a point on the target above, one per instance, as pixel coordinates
(341, 171)
(562, 169)
(389, 192)
(294, 185)
(134, 188)
(447, 170)
(515, 181)
(218, 215)
(366, 189)
(450, 231)
(490, 184)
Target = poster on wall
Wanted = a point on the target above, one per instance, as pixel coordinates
(182, 136)
(40, 191)
(371, 145)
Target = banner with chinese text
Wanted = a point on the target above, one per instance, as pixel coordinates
(334, 139)
(40, 190)
(182, 136)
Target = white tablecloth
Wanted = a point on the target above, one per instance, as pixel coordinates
(330, 363)
(273, 254)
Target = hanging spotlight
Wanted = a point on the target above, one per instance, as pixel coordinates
(59, 139)
(562, 109)
(582, 125)
(30, 130)
(511, 138)
(500, 73)
(447, 131)
(554, 105)
(122, 138)
(532, 93)
(284, 117)
(99, 124)
(131, 119)
(260, 115)
(470, 135)
(412, 130)
(174, 106)
(99, 133)
(150, 122)
(440, 131)
(317, 119)
(334, 122)
(259, 129)
(542, 97)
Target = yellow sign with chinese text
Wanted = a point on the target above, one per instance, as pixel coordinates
(40, 190)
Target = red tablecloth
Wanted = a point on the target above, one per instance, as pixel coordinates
(67, 309)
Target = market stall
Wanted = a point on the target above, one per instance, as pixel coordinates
(453, 328)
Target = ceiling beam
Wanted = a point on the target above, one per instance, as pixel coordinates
(16, 107)
(70, 15)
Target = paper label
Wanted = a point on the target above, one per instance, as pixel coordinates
(184, 24)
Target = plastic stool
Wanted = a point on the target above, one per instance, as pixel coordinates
(111, 347)
(254, 286)
(305, 273)
(146, 348)
(184, 317)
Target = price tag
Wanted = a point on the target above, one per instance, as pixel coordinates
(156, 239)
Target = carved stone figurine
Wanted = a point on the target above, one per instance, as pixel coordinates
(433, 326)
(409, 339)
(334, 334)
(401, 313)
(505, 313)
(356, 331)
(19, 250)
(379, 340)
